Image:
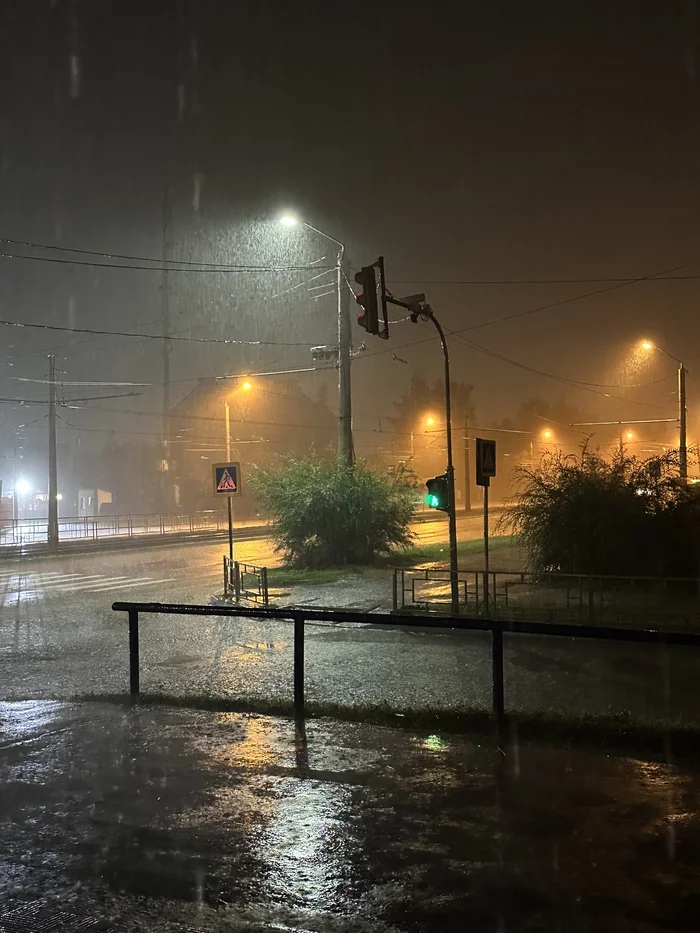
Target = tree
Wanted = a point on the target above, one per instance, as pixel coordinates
(327, 515)
(419, 422)
(585, 514)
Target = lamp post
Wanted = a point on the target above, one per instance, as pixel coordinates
(346, 454)
(682, 410)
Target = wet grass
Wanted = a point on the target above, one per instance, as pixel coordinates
(289, 576)
(616, 733)
(411, 557)
(439, 551)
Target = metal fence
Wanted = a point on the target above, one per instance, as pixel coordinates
(93, 528)
(298, 617)
(593, 600)
(245, 582)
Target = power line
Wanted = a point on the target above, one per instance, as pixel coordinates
(161, 268)
(592, 281)
(221, 266)
(547, 307)
(573, 298)
(140, 336)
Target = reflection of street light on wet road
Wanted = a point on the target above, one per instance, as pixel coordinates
(682, 408)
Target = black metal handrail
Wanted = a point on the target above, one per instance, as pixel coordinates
(497, 628)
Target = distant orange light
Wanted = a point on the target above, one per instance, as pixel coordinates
(246, 386)
(547, 434)
(430, 421)
(629, 435)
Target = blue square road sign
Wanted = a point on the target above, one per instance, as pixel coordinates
(227, 479)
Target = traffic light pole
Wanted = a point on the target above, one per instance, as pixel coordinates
(452, 516)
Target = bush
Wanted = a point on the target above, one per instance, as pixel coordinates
(328, 515)
(625, 517)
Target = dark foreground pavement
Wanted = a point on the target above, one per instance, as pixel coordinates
(155, 819)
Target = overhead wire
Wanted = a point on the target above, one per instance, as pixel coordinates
(216, 266)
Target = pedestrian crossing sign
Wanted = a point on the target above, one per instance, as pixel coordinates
(227, 479)
(485, 461)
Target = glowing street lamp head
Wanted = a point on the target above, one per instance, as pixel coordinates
(629, 435)
(430, 421)
(647, 345)
(23, 487)
(547, 434)
(288, 220)
(247, 386)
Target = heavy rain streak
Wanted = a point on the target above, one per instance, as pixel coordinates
(349, 467)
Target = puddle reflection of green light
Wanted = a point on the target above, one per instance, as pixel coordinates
(435, 743)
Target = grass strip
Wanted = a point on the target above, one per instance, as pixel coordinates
(610, 732)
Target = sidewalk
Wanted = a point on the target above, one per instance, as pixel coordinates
(155, 819)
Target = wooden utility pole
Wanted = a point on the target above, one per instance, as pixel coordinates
(165, 320)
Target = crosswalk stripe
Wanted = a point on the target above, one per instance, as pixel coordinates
(124, 586)
(99, 581)
(8, 575)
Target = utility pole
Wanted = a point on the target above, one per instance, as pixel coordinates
(228, 498)
(467, 465)
(682, 425)
(346, 453)
(166, 348)
(52, 533)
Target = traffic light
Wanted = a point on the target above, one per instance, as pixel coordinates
(367, 299)
(438, 496)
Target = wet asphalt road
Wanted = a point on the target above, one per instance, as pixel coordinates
(59, 638)
(160, 820)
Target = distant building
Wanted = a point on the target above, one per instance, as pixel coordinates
(94, 502)
(267, 417)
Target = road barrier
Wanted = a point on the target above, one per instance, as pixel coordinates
(562, 597)
(298, 617)
(245, 582)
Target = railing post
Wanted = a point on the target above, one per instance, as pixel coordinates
(298, 667)
(134, 684)
(237, 580)
(263, 580)
(394, 590)
(497, 674)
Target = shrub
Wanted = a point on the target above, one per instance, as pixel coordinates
(326, 514)
(584, 514)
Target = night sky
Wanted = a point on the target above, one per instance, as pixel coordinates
(465, 142)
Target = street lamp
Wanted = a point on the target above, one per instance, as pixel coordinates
(682, 409)
(345, 444)
(246, 386)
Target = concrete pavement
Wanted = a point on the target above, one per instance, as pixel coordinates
(153, 820)
(59, 638)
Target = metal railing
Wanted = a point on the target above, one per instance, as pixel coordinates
(25, 531)
(245, 582)
(561, 596)
(298, 617)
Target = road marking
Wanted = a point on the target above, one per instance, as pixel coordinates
(11, 575)
(101, 583)
(125, 586)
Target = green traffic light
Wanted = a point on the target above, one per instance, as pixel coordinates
(432, 500)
